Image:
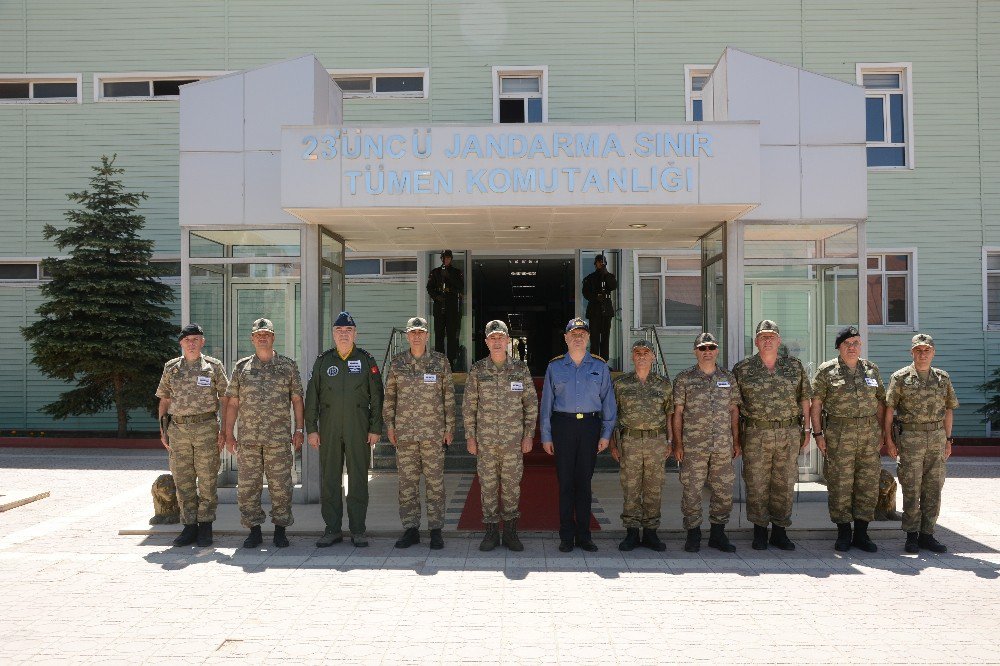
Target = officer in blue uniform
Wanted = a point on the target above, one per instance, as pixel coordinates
(578, 413)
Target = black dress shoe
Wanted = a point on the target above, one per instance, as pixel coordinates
(587, 545)
(566, 546)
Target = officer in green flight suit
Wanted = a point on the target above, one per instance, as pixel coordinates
(343, 416)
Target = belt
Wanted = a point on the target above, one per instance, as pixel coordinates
(851, 420)
(578, 415)
(922, 427)
(194, 418)
(772, 424)
(636, 432)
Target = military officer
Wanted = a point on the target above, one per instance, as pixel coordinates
(262, 387)
(578, 413)
(343, 419)
(191, 389)
(847, 410)
(500, 409)
(597, 289)
(445, 286)
(775, 397)
(924, 402)
(644, 401)
(706, 425)
(419, 413)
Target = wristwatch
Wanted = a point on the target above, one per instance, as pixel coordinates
(817, 433)
(300, 430)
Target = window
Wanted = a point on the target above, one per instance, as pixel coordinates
(891, 289)
(19, 271)
(378, 266)
(138, 86)
(695, 78)
(520, 94)
(991, 268)
(669, 289)
(40, 89)
(888, 113)
(394, 84)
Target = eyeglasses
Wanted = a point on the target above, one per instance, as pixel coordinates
(706, 347)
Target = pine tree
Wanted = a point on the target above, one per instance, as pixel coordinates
(991, 410)
(104, 324)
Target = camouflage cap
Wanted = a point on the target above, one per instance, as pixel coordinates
(921, 340)
(345, 319)
(705, 339)
(497, 326)
(262, 324)
(642, 344)
(574, 324)
(767, 326)
(416, 324)
(190, 329)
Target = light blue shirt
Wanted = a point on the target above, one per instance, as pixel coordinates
(578, 388)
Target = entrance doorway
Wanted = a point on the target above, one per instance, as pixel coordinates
(534, 295)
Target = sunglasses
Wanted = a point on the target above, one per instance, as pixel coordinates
(706, 347)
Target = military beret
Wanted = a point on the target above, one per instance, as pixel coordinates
(844, 333)
(262, 324)
(600, 258)
(574, 324)
(767, 326)
(344, 319)
(705, 339)
(496, 326)
(921, 340)
(447, 253)
(190, 329)
(416, 324)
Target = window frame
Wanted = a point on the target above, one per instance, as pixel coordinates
(382, 276)
(912, 311)
(32, 79)
(137, 77)
(690, 94)
(637, 277)
(521, 71)
(987, 251)
(905, 71)
(374, 74)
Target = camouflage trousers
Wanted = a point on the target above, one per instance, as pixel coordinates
(642, 460)
(500, 468)
(770, 470)
(852, 469)
(921, 473)
(707, 464)
(412, 460)
(195, 462)
(255, 460)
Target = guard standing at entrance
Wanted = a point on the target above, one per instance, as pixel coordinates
(445, 286)
(578, 413)
(597, 288)
(343, 417)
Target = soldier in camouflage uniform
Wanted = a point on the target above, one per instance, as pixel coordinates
(644, 404)
(190, 392)
(924, 401)
(262, 387)
(706, 439)
(419, 413)
(500, 409)
(847, 409)
(775, 398)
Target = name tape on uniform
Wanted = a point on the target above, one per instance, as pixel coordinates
(722, 384)
(354, 366)
(430, 378)
(204, 381)
(871, 382)
(517, 386)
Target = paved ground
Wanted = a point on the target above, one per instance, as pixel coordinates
(72, 588)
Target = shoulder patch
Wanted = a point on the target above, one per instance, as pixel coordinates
(942, 373)
(173, 362)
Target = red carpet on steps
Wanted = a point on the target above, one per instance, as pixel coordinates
(539, 502)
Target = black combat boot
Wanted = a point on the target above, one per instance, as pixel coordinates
(187, 536)
(510, 538)
(204, 534)
(255, 539)
(491, 539)
(631, 539)
(411, 536)
(651, 540)
(912, 542)
(717, 539)
(861, 539)
(779, 539)
(693, 542)
(437, 541)
(928, 541)
(280, 540)
(759, 537)
(844, 536)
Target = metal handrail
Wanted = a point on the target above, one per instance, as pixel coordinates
(391, 349)
(649, 334)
